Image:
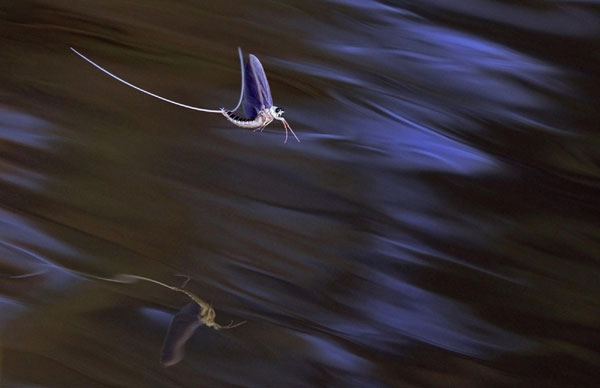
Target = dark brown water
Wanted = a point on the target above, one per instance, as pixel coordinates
(438, 226)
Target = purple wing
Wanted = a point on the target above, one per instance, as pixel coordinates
(181, 329)
(257, 94)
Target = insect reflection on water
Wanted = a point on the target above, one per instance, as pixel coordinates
(184, 322)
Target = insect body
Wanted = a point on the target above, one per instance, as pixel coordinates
(255, 93)
(262, 119)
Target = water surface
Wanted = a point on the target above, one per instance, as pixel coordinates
(436, 227)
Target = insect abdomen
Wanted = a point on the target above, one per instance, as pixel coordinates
(237, 118)
(242, 122)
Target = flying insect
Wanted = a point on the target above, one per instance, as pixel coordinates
(255, 94)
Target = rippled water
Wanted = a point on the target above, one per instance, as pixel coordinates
(437, 226)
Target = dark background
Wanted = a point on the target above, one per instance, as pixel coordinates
(438, 225)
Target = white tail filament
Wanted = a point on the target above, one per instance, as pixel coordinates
(163, 98)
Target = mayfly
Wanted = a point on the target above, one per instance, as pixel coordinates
(255, 94)
(184, 323)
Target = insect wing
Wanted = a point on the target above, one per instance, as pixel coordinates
(181, 329)
(257, 94)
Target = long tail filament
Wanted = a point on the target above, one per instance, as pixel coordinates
(147, 92)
